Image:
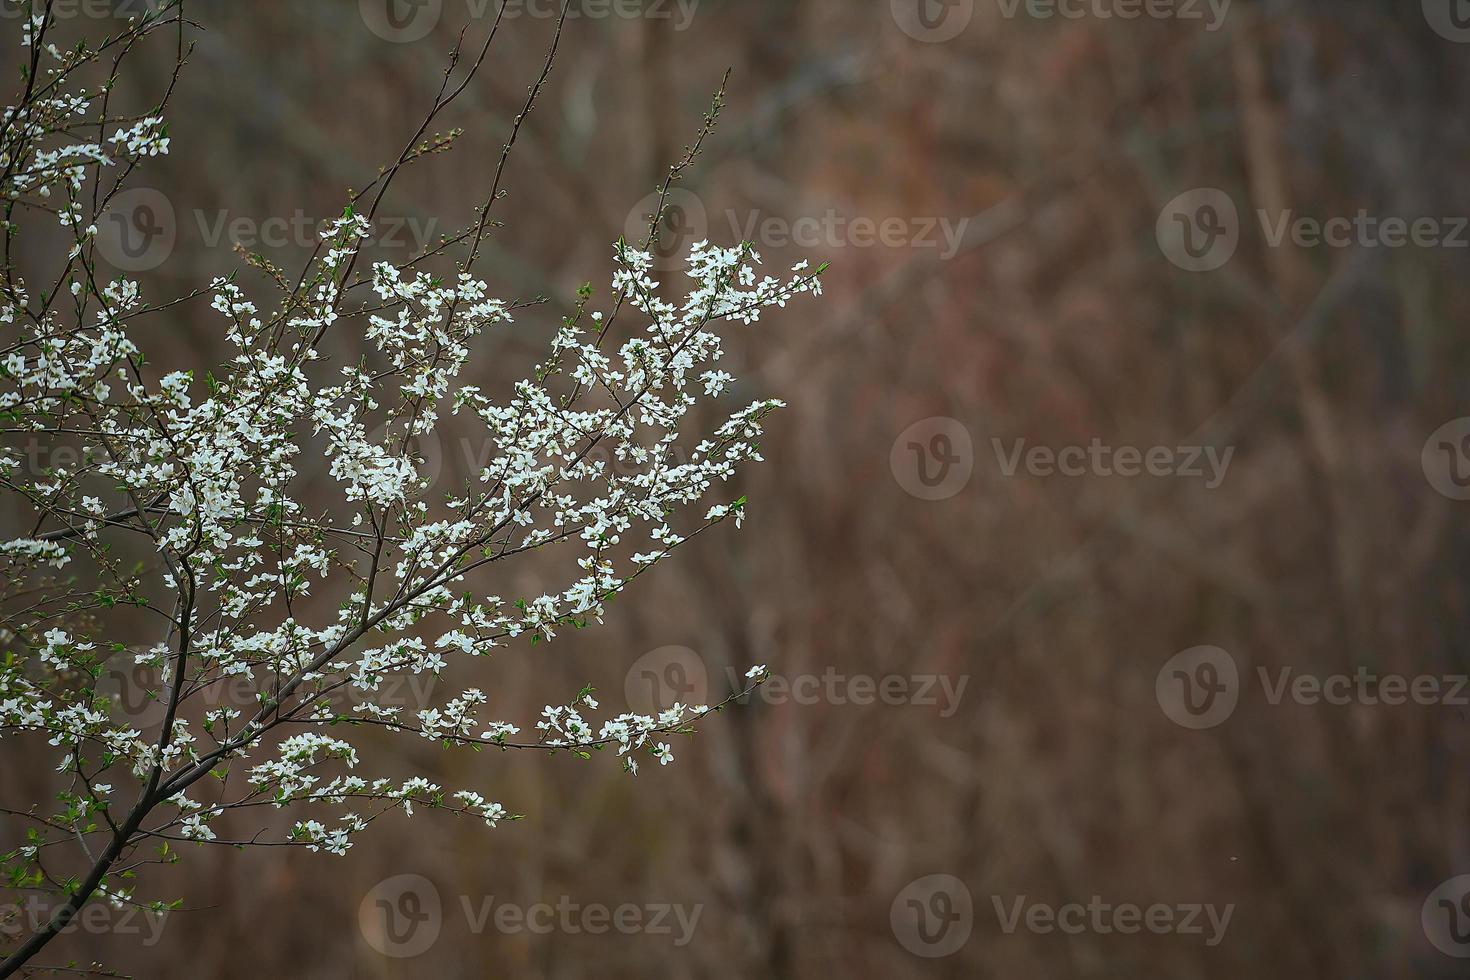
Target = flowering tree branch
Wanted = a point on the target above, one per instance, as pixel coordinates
(186, 507)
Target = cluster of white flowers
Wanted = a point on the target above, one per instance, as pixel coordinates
(203, 467)
(41, 552)
(596, 455)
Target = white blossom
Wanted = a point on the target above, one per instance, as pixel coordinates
(299, 606)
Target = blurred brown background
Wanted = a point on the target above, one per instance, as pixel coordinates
(796, 828)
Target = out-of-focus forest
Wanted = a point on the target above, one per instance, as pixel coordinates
(1018, 618)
